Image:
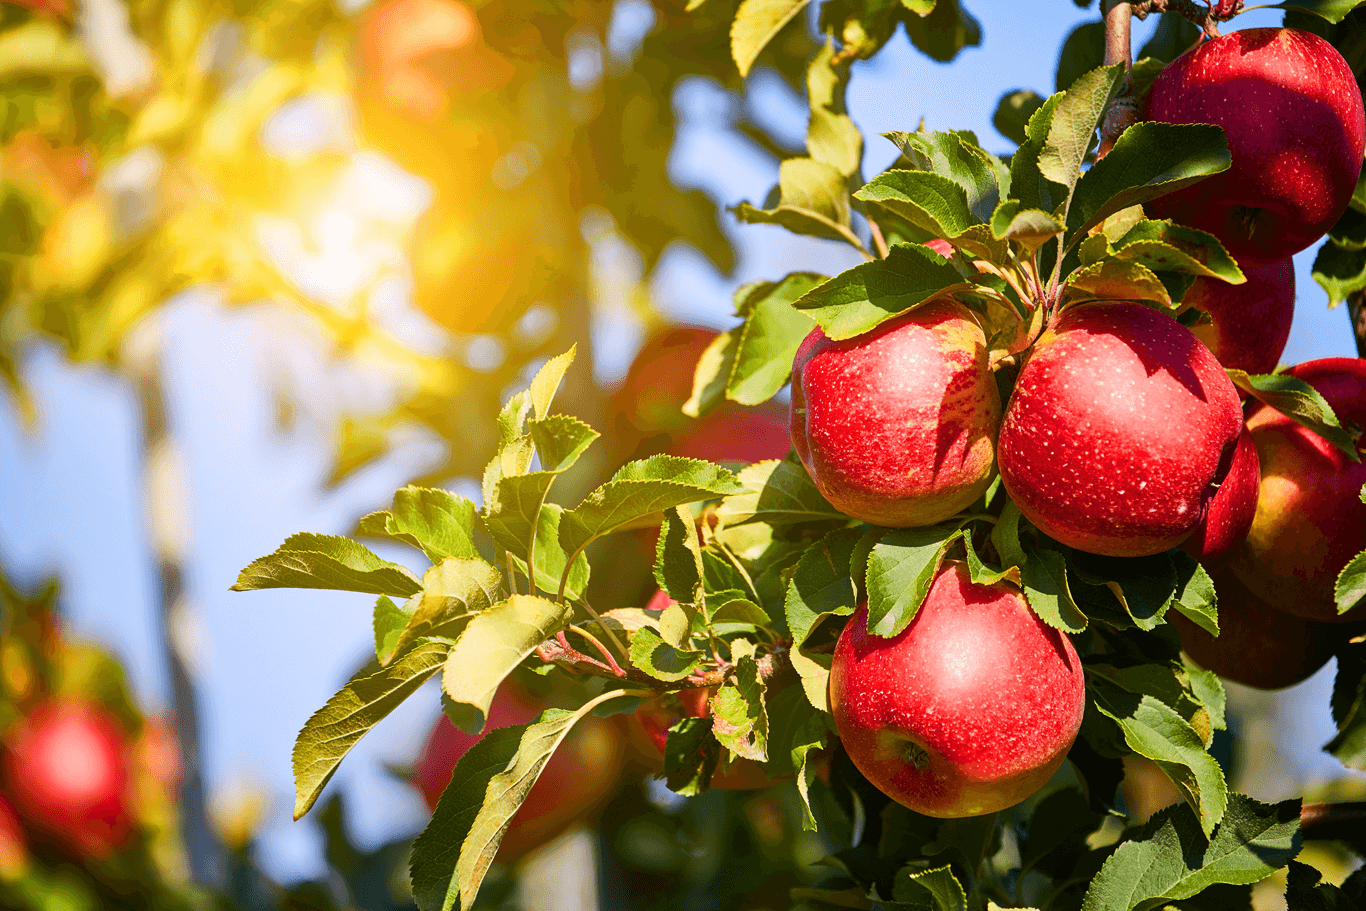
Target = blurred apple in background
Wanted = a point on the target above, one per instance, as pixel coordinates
(574, 785)
(68, 768)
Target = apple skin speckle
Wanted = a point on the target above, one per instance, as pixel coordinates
(1146, 426)
(989, 695)
(898, 426)
(1290, 106)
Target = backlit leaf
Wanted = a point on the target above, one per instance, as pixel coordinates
(901, 567)
(861, 298)
(713, 372)
(547, 381)
(782, 493)
(739, 721)
(769, 339)
(1351, 584)
(1074, 123)
(932, 202)
(639, 489)
(335, 728)
(659, 659)
(756, 23)
(452, 591)
(493, 644)
(307, 560)
(820, 587)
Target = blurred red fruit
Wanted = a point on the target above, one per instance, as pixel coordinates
(579, 778)
(13, 844)
(68, 768)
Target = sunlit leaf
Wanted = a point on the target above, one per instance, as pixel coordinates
(307, 560)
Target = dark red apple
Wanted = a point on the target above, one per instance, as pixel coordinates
(898, 426)
(68, 768)
(969, 710)
(1291, 109)
(1310, 520)
(1258, 646)
(579, 778)
(1230, 512)
(1251, 321)
(1119, 431)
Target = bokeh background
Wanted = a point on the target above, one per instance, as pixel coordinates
(267, 261)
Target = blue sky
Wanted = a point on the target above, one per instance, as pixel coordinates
(71, 499)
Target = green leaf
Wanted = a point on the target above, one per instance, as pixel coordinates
(1148, 160)
(1143, 587)
(1170, 859)
(1305, 892)
(1165, 246)
(831, 135)
(713, 372)
(1013, 112)
(560, 440)
(1044, 574)
(811, 736)
(861, 298)
(390, 619)
(945, 891)
(493, 644)
(1351, 584)
(1332, 10)
(1027, 184)
(814, 201)
(769, 339)
(547, 381)
(452, 855)
(452, 592)
(901, 567)
(1031, 227)
(1074, 125)
(1349, 707)
(1350, 231)
(1116, 279)
(639, 489)
(437, 521)
(1082, 50)
(1155, 730)
(1195, 595)
(739, 721)
(757, 22)
(678, 556)
(956, 155)
(662, 661)
(1300, 402)
(782, 493)
(690, 756)
(944, 31)
(326, 561)
(1208, 690)
(335, 728)
(980, 573)
(551, 558)
(1340, 272)
(820, 587)
(932, 202)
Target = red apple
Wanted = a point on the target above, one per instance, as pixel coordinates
(1251, 321)
(1121, 427)
(968, 710)
(1291, 109)
(650, 732)
(898, 426)
(579, 778)
(1258, 646)
(1310, 520)
(1231, 509)
(68, 768)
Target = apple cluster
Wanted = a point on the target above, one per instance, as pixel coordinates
(1123, 436)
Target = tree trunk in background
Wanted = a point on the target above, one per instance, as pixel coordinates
(167, 506)
(1356, 307)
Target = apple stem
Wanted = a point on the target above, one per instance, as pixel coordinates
(879, 242)
(1330, 821)
(1123, 110)
(607, 630)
